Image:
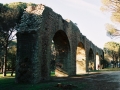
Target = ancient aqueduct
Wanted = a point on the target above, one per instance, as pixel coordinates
(40, 29)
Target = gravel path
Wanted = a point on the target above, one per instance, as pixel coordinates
(104, 81)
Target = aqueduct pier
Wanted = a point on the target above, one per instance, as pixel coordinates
(45, 39)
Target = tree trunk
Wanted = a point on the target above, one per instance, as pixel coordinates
(13, 66)
(2, 68)
(113, 62)
(13, 69)
(5, 62)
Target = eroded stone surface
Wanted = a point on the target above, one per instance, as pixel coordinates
(40, 27)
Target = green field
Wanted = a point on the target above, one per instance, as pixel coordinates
(8, 83)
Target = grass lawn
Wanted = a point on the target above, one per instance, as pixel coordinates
(8, 83)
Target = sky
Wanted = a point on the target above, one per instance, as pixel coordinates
(86, 13)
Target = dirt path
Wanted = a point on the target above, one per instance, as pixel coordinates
(103, 81)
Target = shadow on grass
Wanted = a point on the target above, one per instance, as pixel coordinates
(9, 84)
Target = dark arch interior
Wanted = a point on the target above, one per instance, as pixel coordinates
(80, 44)
(91, 59)
(60, 51)
(91, 55)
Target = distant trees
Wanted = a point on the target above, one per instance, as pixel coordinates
(10, 15)
(111, 50)
(12, 56)
(112, 6)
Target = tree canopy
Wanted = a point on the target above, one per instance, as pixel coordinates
(112, 51)
(113, 7)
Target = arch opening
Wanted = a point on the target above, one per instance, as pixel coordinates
(60, 49)
(80, 59)
(97, 62)
(101, 62)
(91, 60)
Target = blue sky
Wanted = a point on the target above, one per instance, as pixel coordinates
(86, 13)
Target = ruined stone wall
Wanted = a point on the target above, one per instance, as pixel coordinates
(53, 23)
(40, 26)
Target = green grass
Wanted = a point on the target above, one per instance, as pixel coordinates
(110, 69)
(8, 83)
(52, 73)
(8, 74)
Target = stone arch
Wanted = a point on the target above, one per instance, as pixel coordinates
(97, 61)
(91, 59)
(80, 59)
(61, 52)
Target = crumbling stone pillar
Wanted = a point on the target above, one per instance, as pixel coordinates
(27, 62)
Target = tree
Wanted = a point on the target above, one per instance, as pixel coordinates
(1, 58)
(10, 15)
(112, 6)
(12, 56)
(111, 49)
(112, 32)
